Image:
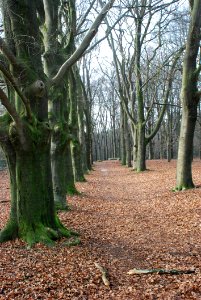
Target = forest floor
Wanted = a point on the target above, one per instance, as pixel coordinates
(126, 220)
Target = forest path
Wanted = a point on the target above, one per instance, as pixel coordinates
(126, 220)
(130, 219)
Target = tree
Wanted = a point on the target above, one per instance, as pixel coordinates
(141, 71)
(25, 131)
(189, 98)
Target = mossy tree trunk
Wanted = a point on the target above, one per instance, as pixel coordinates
(28, 135)
(33, 217)
(81, 123)
(122, 136)
(86, 90)
(190, 99)
(73, 120)
(58, 153)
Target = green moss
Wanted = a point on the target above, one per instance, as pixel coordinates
(59, 206)
(71, 190)
(182, 188)
(81, 179)
(10, 232)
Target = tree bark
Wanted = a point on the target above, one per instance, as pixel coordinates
(190, 100)
(33, 217)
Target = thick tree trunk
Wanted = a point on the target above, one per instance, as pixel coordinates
(33, 217)
(11, 229)
(190, 100)
(58, 170)
(75, 144)
(77, 161)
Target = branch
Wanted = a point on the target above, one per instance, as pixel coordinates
(83, 19)
(17, 89)
(166, 96)
(159, 271)
(6, 51)
(169, 104)
(108, 31)
(10, 108)
(83, 46)
(104, 274)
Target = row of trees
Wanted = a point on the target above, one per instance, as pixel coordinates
(56, 103)
(42, 131)
(152, 86)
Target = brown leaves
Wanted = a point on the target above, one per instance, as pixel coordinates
(125, 219)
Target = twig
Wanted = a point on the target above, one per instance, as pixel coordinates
(159, 271)
(104, 274)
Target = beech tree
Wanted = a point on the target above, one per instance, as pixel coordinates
(140, 71)
(25, 130)
(190, 96)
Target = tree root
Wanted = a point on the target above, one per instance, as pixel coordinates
(159, 271)
(9, 232)
(71, 190)
(104, 274)
(36, 232)
(183, 188)
(72, 242)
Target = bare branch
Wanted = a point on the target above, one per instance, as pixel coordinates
(6, 51)
(10, 108)
(17, 89)
(84, 44)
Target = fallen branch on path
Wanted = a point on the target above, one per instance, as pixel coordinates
(104, 274)
(159, 271)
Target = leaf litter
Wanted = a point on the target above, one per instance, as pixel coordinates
(126, 221)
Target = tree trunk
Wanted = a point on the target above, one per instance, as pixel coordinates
(141, 148)
(11, 229)
(185, 151)
(75, 144)
(33, 217)
(70, 181)
(58, 153)
(122, 137)
(190, 99)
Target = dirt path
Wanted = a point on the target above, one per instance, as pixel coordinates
(126, 220)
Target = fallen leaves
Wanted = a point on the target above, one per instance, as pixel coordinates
(124, 219)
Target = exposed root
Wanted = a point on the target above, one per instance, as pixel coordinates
(72, 242)
(71, 190)
(9, 232)
(36, 233)
(81, 179)
(183, 188)
(61, 207)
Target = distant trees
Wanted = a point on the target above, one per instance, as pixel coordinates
(145, 67)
